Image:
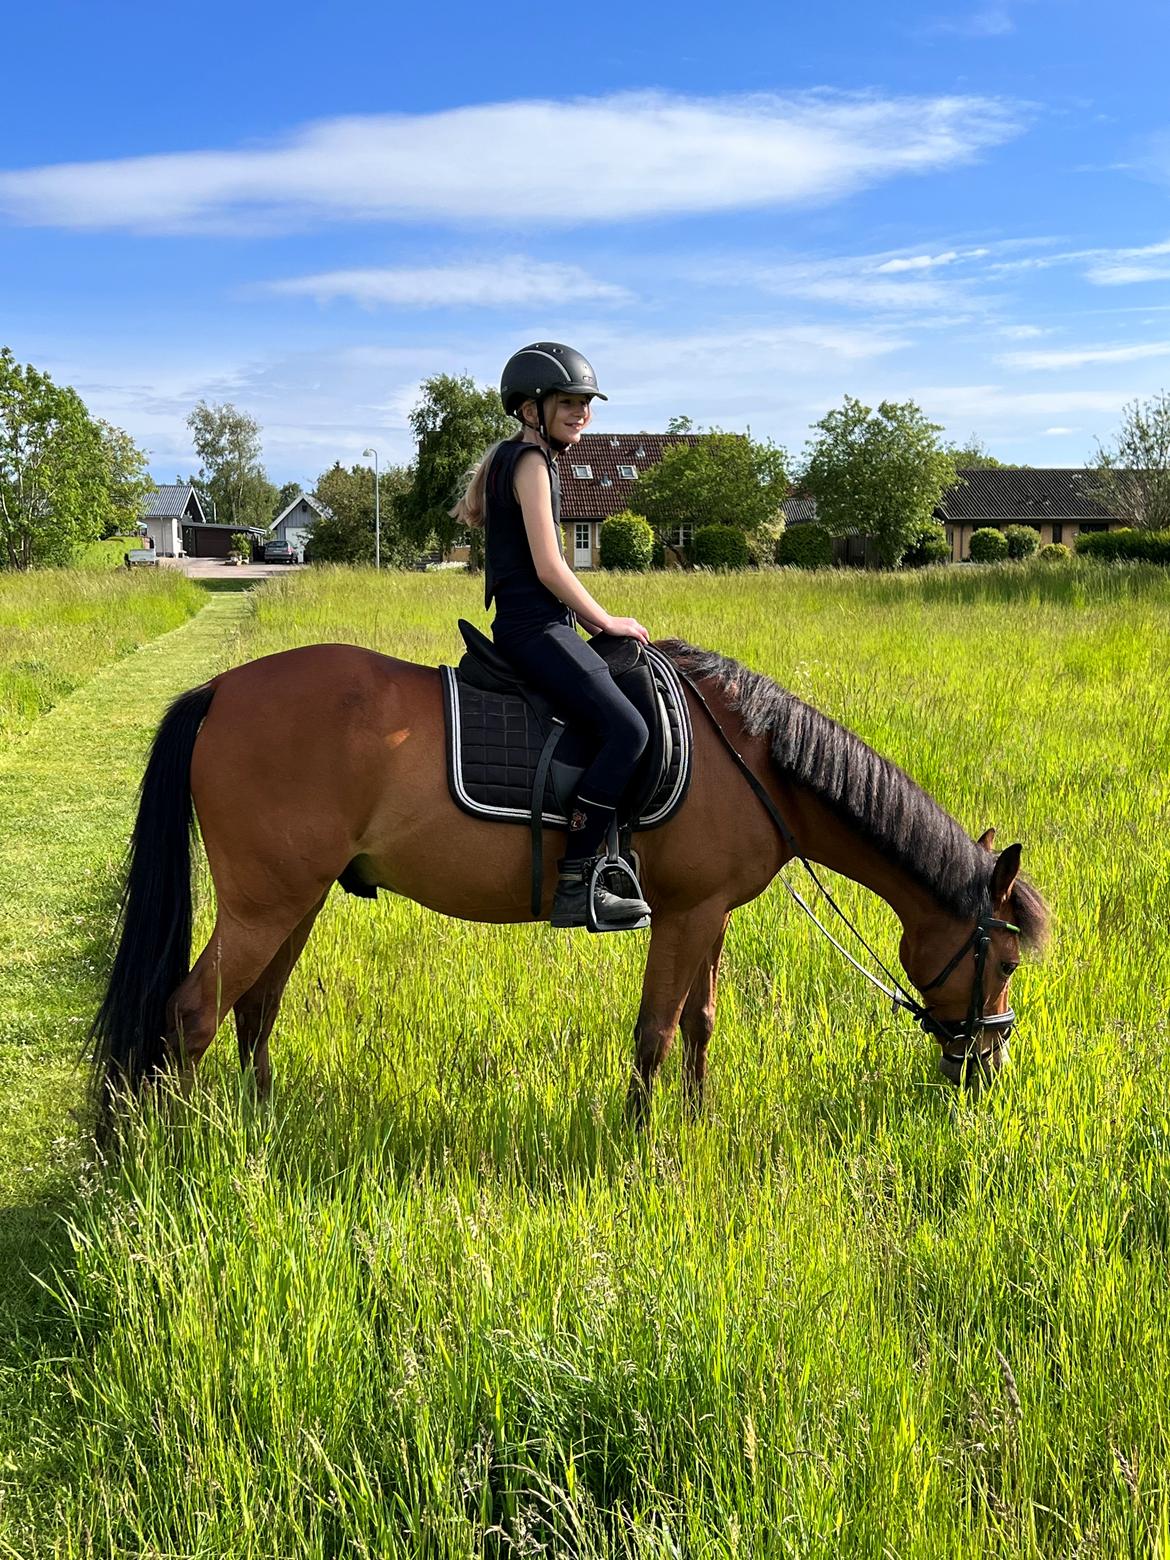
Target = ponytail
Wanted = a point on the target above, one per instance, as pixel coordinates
(469, 511)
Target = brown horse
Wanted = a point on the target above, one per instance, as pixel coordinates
(306, 763)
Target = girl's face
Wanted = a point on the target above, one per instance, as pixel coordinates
(567, 417)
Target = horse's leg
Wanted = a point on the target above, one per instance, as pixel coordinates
(236, 955)
(256, 1010)
(698, 1021)
(679, 945)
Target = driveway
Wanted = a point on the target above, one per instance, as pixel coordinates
(217, 569)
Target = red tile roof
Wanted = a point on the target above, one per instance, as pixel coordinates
(605, 492)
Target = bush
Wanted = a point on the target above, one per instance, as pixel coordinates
(627, 542)
(241, 545)
(805, 547)
(931, 547)
(1134, 546)
(1054, 552)
(719, 547)
(1022, 540)
(988, 545)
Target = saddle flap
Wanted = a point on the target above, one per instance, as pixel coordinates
(483, 666)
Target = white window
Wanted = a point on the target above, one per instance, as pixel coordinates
(581, 539)
(584, 472)
(628, 472)
(681, 535)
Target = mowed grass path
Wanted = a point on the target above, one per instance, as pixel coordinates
(437, 1300)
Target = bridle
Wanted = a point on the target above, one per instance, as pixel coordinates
(960, 1039)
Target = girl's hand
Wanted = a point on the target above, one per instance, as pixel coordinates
(627, 628)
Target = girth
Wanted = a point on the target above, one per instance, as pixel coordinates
(512, 759)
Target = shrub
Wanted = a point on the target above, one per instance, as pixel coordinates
(242, 545)
(1054, 552)
(1022, 540)
(988, 545)
(719, 547)
(805, 547)
(1135, 546)
(931, 547)
(627, 542)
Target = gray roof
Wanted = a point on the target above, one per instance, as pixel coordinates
(169, 501)
(1021, 495)
(306, 498)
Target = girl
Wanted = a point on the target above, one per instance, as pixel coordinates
(515, 493)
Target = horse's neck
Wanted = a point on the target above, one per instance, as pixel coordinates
(826, 839)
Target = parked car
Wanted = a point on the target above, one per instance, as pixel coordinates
(280, 552)
(140, 558)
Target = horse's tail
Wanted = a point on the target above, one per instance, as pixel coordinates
(154, 924)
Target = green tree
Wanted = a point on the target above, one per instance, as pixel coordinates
(54, 475)
(1131, 477)
(721, 479)
(681, 424)
(127, 480)
(227, 442)
(345, 532)
(879, 473)
(286, 495)
(454, 423)
(974, 454)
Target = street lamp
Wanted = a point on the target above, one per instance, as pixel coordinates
(377, 513)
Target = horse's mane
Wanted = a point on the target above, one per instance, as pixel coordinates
(865, 790)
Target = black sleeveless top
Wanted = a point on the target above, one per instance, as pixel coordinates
(523, 604)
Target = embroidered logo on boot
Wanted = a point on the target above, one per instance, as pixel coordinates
(577, 822)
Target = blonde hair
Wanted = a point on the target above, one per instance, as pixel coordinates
(469, 510)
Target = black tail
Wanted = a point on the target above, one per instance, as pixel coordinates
(154, 943)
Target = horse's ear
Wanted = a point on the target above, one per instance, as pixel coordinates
(1003, 878)
(986, 841)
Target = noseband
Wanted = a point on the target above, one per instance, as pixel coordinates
(964, 1037)
(960, 1040)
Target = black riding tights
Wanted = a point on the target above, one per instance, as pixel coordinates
(576, 682)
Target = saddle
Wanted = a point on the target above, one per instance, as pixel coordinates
(512, 758)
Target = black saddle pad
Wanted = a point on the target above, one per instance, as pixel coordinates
(497, 731)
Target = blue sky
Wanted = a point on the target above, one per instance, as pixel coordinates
(738, 214)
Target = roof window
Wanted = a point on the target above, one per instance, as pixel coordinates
(584, 472)
(628, 472)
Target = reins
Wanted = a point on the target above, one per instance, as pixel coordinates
(979, 938)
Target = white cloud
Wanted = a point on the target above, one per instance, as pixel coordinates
(501, 282)
(1105, 267)
(1057, 432)
(1080, 357)
(920, 262)
(632, 156)
(1021, 332)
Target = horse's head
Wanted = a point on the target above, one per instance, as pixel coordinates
(963, 968)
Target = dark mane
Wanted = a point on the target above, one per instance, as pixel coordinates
(867, 791)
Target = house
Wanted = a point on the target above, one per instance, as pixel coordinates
(1052, 500)
(597, 480)
(294, 524)
(175, 525)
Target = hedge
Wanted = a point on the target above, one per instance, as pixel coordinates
(1054, 552)
(627, 542)
(1135, 546)
(931, 547)
(804, 547)
(988, 545)
(719, 547)
(1022, 540)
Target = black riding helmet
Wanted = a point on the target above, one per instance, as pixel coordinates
(538, 370)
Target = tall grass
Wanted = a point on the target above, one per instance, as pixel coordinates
(59, 626)
(436, 1300)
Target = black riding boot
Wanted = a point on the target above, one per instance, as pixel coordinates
(611, 912)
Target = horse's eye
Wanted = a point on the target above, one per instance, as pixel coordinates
(1006, 967)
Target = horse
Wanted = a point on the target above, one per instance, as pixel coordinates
(328, 762)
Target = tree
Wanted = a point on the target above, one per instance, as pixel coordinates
(227, 442)
(127, 480)
(345, 532)
(880, 473)
(1131, 477)
(723, 478)
(287, 494)
(54, 476)
(454, 423)
(681, 424)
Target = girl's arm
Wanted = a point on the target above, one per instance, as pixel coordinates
(531, 484)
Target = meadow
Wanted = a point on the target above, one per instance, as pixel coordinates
(436, 1299)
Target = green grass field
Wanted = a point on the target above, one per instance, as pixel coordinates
(437, 1300)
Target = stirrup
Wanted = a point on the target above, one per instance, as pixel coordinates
(603, 865)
